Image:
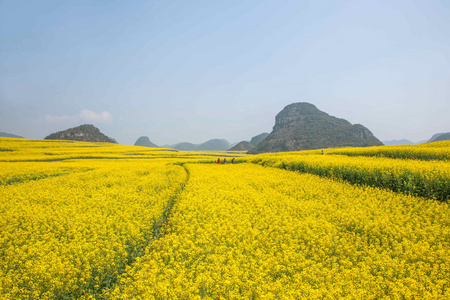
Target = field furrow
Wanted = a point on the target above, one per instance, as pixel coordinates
(21, 172)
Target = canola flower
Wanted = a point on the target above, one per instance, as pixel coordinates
(70, 236)
(248, 232)
(430, 179)
(427, 151)
(55, 150)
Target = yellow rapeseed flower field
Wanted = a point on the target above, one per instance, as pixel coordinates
(105, 221)
(71, 235)
(427, 151)
(247, 232)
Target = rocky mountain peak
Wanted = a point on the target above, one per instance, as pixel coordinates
(296, 112)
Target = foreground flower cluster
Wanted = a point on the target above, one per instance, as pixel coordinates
(70, 234)
(248, 232)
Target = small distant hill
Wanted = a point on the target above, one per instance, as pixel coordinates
(214, 145)
(242, 146)
(258, 139)
(4, 134)
(245, 145)
(83, 133)
(145, 141)
(185, 146)
(301, 126)
(397, 142)
(440, 137)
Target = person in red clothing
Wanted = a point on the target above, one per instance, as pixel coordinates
(218, 160)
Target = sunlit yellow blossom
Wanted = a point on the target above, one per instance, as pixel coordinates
(74, 233)
(244, 231)
(107, 221)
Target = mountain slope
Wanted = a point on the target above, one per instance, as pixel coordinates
(440, 137)
(242, 146)
(259, 138)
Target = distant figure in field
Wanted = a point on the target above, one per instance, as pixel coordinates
(323, 152)
(232, 161)
(225, 161)
(218, 161)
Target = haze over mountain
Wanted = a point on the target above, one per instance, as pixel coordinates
(83, 133)
(211, 145)
(301, 126)
(397, 142)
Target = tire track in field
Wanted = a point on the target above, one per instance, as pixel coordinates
(158, 231)
(160, 225)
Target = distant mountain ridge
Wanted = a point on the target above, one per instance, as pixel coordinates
(83, 133)
(214, 145)
(184, 146)
(301, 126)
(4, 134)
(211, 145)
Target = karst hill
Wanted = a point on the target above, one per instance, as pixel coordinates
(145, 142)
(83, 133)
(302, 126)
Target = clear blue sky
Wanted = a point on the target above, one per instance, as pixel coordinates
(195, 70)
